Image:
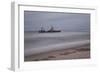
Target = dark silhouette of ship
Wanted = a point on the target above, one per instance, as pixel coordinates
(50, 30)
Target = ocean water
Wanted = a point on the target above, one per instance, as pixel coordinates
(35, 43)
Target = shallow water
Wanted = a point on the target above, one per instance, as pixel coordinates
(42, 42)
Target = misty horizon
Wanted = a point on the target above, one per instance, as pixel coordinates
(66, 22)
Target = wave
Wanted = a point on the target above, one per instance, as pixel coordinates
(39, 43)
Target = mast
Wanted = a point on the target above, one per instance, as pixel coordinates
(42, 29)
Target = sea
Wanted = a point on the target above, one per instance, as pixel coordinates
(35, 42)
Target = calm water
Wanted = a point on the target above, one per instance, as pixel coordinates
(42, 42)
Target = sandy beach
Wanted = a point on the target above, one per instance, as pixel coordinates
(82, 52)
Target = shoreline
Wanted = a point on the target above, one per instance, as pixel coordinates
(39, 43)
(82, 52)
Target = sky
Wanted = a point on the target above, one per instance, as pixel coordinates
(67, 22)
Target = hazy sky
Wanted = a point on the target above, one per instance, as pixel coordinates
(33, 20)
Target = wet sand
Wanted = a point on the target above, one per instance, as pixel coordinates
(82, 52)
